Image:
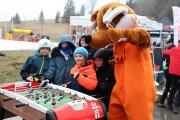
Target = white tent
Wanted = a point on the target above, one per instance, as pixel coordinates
(149, 24)
(145, 22)
(80, 21)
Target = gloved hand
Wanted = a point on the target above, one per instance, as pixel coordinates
(38, 78)
(87, 38)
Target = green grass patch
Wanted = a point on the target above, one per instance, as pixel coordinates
(11, 64)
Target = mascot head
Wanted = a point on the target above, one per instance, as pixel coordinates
(118, 15)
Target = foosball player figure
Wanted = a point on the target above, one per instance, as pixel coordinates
(60, 97)
(44, 89)
(50, 87)
(60, 93)
(74, 96)
(52, 93)
(37, 96)
(30, 90)
(45, 95)
(53, 101)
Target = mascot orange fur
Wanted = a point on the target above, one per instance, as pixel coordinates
(134, 94)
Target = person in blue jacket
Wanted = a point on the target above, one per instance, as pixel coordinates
(62, 61)
(36, 66)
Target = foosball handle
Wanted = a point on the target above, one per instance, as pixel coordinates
(7, 99)
(20, 105)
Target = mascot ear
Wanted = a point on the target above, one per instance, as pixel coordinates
(93, 19)
(94, 16)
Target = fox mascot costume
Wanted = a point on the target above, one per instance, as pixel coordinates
(134, 94)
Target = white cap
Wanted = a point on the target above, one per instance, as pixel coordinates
(44, 43)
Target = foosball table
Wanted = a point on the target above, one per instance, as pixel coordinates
(32, 101)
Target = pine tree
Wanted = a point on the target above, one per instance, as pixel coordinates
(82, 11)
(57, 18)
(16, 19)
(41, 17)
(69, 9)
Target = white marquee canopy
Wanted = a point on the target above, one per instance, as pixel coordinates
(145, 22)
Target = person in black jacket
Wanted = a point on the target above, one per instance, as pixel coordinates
(104, 73)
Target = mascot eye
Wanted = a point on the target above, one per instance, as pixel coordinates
(115, 21)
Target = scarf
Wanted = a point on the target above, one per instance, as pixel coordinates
(66, 51)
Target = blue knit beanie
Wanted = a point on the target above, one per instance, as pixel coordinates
(82, 51)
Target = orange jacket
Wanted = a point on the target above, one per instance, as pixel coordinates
(87, 75)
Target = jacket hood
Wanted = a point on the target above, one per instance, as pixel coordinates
(66, 38)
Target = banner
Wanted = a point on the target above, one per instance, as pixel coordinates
(176, 15)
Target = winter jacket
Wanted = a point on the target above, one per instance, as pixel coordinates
(86, 81)
(35, 65)
(105, 73)
(174, 67)
(59, 69)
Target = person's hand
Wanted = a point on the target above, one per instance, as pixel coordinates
(64, 85)
(41, 78)
(86, 38)
(30, 78)
(75, 76)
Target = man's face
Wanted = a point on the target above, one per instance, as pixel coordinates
(80, 60)
(98, 62)
(44, 51)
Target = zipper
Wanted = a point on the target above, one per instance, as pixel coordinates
(42, 65)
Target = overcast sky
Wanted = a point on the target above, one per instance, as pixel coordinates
(30, 9)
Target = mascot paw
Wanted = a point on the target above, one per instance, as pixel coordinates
(114, 35)
(87, 38)
(145, 42)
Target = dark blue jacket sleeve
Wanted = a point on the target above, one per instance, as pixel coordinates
(26, 69)
(52, 70)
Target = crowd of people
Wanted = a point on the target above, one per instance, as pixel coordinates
(81, 68)
(91, 71)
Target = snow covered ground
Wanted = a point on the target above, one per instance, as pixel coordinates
(7, 45)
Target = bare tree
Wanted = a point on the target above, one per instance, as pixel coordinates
(92, 4)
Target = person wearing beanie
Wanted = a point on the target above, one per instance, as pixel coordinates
(104, 73)
(83, 73)
(62, 61)
(36, 66)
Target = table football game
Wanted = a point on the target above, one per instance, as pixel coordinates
(34, 101)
